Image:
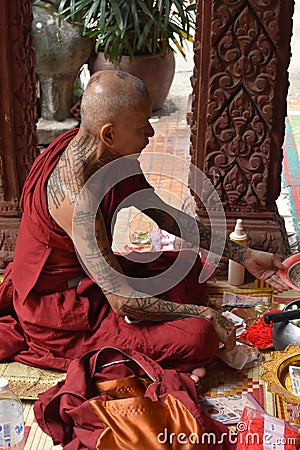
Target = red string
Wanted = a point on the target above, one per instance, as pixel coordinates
(259, 333)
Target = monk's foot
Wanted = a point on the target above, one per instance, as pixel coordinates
(197, 374)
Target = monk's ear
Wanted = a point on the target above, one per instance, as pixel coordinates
(107, 134)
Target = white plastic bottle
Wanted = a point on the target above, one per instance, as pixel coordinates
(11, 419)
(236, 272)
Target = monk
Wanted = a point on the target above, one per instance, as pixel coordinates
(59, 300)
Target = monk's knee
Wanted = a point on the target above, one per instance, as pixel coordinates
(199, 339)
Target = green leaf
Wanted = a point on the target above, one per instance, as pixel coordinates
(117, 13)
(145, 9)
(180, 13)
(135, 17)
(61, 11)
(143, 37)
(93, 13)
(129, 49)
(126, 22)
(167, 13)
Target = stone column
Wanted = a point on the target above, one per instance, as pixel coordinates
(240, 82)
(18, 116)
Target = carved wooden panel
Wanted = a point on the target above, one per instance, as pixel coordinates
(18, 115)
(240, 82)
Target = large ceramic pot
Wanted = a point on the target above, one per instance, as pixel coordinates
(156, 71)
(60, 52)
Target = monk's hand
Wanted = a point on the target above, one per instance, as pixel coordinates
(224, 328)
(265, 266)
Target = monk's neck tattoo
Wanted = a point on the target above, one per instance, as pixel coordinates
(76, 165)
(105, 158)
(65, 182)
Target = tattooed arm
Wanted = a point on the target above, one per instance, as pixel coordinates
(158, 310)
(261, 264)
(141, 307)
(182, 225)
(95, 252)
(124, 300)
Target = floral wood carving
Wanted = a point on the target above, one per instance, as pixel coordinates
(18, 80)
(18, 115)
(239, 100)
(24, 91)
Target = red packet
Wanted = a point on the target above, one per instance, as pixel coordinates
(259, 431)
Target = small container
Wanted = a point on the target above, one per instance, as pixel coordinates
(11, 419)
(236, 272)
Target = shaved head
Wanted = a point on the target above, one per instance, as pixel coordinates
(110, 96)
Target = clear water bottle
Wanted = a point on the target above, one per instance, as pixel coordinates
(11, 419)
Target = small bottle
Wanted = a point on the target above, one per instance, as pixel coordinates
(236, 272)
(11, 419)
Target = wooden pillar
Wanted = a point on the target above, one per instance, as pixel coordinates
(240, 82)
(18, 116)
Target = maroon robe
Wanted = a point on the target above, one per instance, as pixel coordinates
(48, 317)
(65, 413)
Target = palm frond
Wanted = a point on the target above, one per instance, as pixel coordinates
(133, 26)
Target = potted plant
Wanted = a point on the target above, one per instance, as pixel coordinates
(128, 31)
